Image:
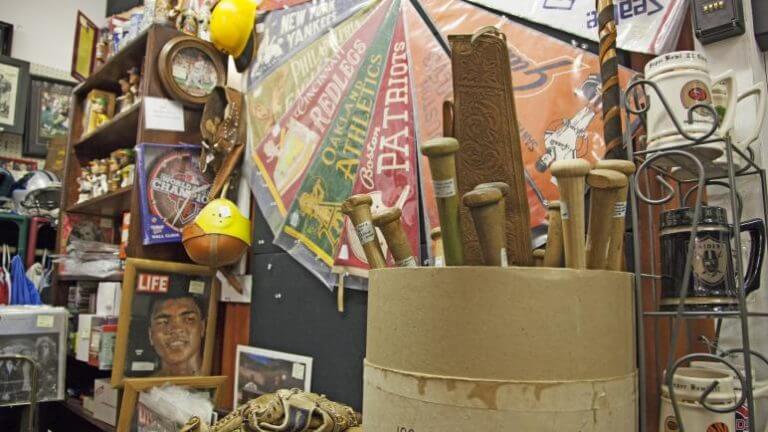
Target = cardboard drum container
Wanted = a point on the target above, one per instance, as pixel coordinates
(492, 349)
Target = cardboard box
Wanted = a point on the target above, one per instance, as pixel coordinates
(83, 338)
(108, 299)
(491, 348)
(105, 413)
(88, 404)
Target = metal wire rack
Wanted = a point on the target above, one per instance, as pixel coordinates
(697, 173)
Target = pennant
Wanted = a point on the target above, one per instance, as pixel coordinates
(284, 155)
(315, 219)
(284, 32)
(388, 166)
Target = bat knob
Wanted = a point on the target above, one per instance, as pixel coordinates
(442, 146)
(553, 205)
(349, 205)
(570, 168)
(482, 197)
(435, 234)
(623, 166)
(501, 186)
(387, 216)
(606, 179)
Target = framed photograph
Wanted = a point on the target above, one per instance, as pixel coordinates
(167, 320)
(190, 68)
(143, 410)
(261, 371)
(14, 94)
(84, 51)
(48, 114)
(39, 333)
(6, 38)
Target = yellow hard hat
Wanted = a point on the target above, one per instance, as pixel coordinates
(221, 216)
(232, 22)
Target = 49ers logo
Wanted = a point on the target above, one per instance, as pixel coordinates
(177, 189)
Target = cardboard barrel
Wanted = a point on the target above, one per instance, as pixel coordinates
(492, 349)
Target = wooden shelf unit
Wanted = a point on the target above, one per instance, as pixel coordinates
(110, 204)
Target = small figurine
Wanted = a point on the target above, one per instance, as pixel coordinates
(98, 113)
(126, 99)
(99, 174)
(113, 181)
(134, 79)
(86, 187)
(204, 21)
(185, 18)
(127, 174)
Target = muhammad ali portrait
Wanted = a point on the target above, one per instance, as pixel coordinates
(171, 311)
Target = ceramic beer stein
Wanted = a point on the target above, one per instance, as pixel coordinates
(690, 384)
(720, 100)
(683, 78)
(759, 391)
(712, 285)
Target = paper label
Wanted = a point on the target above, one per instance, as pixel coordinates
(408, 262)
(620, 210)
(564, 210)
(503, 257)
(439, 261)
(142, 366)
(105, 223)
(444, 188)
(197, 287)
(298, 371)
(45, 321)
(163, 114)
(366, 232)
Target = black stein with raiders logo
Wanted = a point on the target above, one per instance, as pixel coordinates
(712, 286)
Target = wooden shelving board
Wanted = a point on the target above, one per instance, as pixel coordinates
(76, 407)
(119, 132)
(109, 204)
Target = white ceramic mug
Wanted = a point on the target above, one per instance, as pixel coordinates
(759, 390)
(720, 100)
(684, 79)
(690, 383)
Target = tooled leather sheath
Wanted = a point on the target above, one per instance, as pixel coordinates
(485, 124)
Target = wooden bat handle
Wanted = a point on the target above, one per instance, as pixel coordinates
(437, 247)
(358, 208)
(441, 153)
(553, 254)
(570, 180)
(606, 186)
(488, 217)
(618, 220)
(389, 223)
(538, 257)
(609, 73)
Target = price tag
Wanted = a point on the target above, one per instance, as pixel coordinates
(444, 188)
(197, 287)
(620, 210)
(45, 321)
(408, 262)
(564, 210)
(366, 232)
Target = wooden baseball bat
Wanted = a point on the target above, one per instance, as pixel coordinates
(437, 247)
(618, 220)
(488, 218)
(609, 72)
(504, 189)
(441, 153)
(606, 186)
(553, 256)
(358, 208)
(538, 257)
(388, 221)
(570, 180)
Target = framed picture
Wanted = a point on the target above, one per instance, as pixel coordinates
(6, 38)
(18, 167)
(261, 371)
(14, 93)
(84, 51)
(48, 114)
(190, 68)
(167, 320)
(142, 410)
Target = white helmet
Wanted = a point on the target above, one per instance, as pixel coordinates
(38, 193)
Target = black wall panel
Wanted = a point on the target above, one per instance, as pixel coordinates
(117, 6)
(292, 312)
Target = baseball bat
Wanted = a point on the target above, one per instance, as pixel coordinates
(570, 180)
(437, 247)
(388, 221)
(488, 217)
(609, 72)
(538, 257)
(618, 220)
(504, 189)
(441, 153)
(358, 208)
(606, 186)
(553, 256)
